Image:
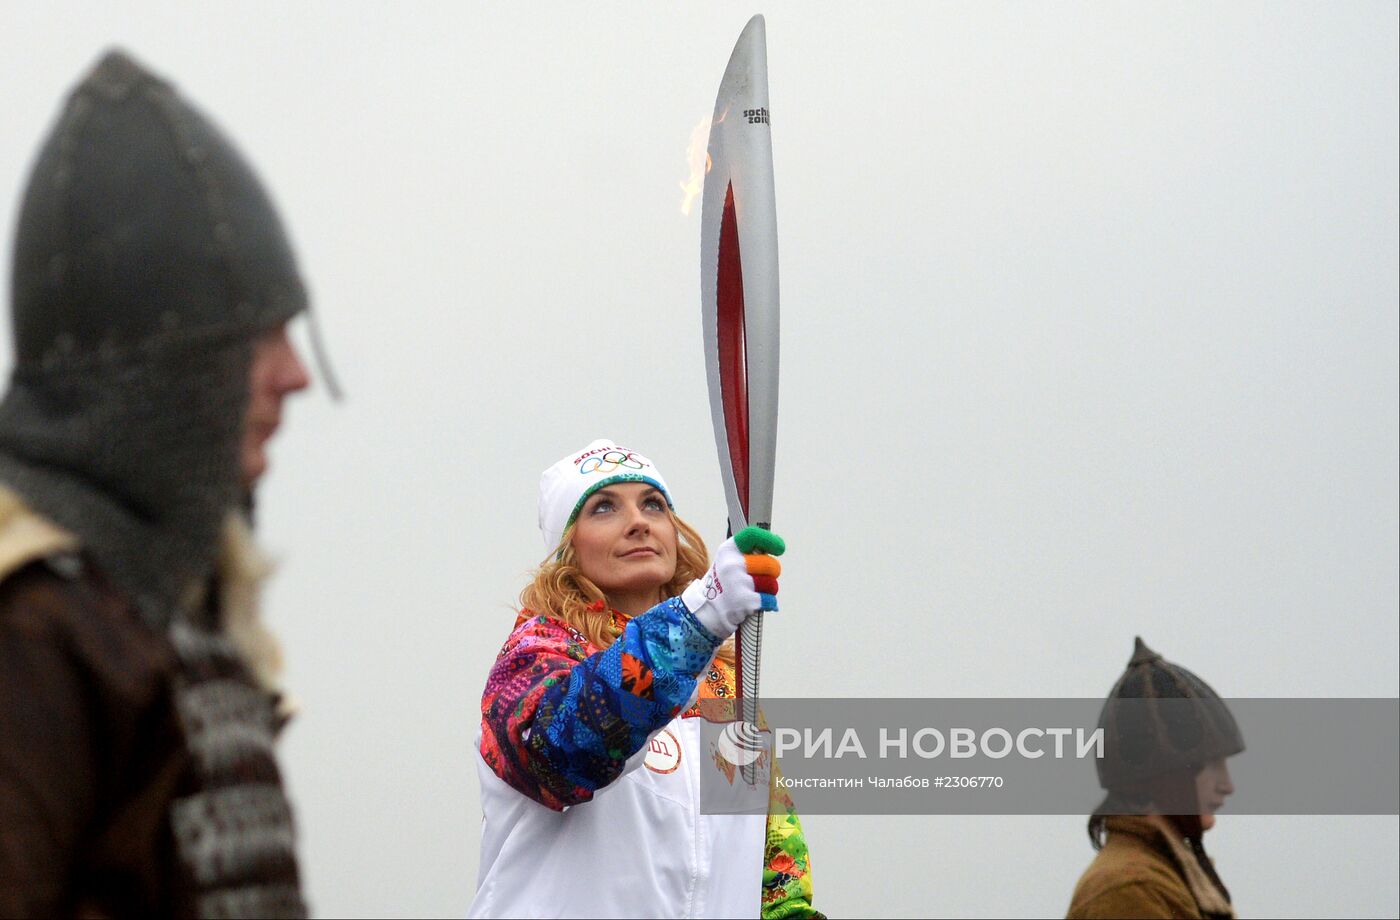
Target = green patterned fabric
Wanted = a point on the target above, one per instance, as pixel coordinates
(787, 866)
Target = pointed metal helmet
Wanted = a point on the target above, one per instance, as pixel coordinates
(142, 222)
(1160, 718)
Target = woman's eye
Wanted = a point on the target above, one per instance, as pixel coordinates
(602, 506)
(653, 503)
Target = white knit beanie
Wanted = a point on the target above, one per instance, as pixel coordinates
(566, 485)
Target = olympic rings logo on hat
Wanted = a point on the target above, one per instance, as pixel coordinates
(609, 461)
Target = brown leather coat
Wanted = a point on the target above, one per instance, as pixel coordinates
(1146, 869)
(92, 753)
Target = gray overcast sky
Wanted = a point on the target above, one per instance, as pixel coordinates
(1089, 330)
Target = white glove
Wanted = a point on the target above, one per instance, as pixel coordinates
(724, 596)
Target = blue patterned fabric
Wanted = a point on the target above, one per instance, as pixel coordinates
(558, 728)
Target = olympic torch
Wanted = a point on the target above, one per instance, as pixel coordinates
(739, 310)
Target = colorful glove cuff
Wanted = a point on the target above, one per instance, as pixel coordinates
(756, 539)
(760, 548)
(759, 564)
(764, 584)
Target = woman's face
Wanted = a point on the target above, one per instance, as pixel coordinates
(1212, 786)
(625, 541)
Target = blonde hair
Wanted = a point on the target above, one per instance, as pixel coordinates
(561, 590)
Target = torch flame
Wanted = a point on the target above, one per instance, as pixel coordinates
(697, 158)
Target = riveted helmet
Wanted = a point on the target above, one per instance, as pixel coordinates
(1160, 719)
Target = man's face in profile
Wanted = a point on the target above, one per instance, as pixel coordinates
(277, 372)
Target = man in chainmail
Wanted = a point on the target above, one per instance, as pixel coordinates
(152, 286)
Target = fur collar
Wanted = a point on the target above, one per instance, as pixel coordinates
(1159, 831)
(26, 537)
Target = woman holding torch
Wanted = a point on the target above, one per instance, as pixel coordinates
(588, 751)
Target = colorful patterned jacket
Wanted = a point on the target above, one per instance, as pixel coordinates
(590, 763)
